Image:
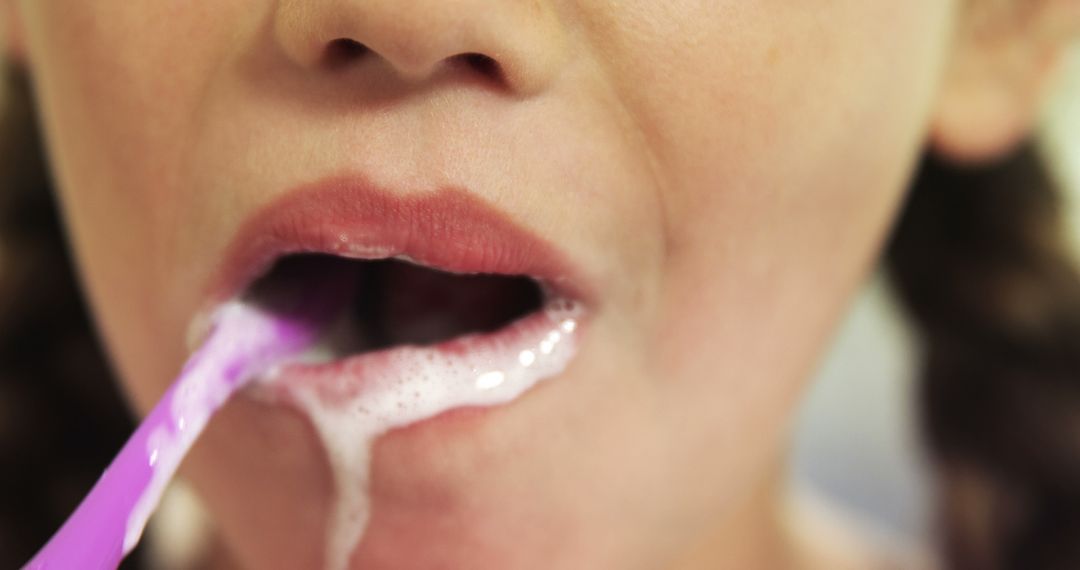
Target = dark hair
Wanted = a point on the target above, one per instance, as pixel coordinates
(61, 415)
(978, 258)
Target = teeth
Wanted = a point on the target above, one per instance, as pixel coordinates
(408, 259)
(350, 250)
(368, 252)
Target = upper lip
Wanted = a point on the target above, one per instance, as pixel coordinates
(449, 229)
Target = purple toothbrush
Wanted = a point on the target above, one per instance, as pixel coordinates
(247, 339)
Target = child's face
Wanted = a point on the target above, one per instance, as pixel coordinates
(720, 172)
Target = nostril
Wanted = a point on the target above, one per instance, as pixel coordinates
(482, 64)
(343, 51)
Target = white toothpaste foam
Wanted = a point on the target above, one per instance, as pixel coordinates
(414, 384)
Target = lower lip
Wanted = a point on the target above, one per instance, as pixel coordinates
(353, 401)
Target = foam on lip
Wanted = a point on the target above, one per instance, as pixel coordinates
(409, 384)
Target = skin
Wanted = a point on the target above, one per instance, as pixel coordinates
(724, 171)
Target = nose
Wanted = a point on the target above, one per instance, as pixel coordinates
(519, 43)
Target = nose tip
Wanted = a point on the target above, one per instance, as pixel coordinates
(498, 39)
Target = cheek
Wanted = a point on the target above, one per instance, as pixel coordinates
(117, 83)
(783, 136)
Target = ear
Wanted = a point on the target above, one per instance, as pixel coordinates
(1004, 59)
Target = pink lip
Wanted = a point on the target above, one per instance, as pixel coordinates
(448, 229)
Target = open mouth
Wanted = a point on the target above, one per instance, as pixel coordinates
(411, 343)
(397, 303)
(450, 296)
(453, 306)
(446, 338)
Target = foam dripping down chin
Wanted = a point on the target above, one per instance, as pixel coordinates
(352, 402)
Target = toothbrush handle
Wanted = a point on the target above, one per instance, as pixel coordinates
(93, 536)
(110, 520)
(245, 342)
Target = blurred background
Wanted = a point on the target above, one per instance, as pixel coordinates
(857, 442)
